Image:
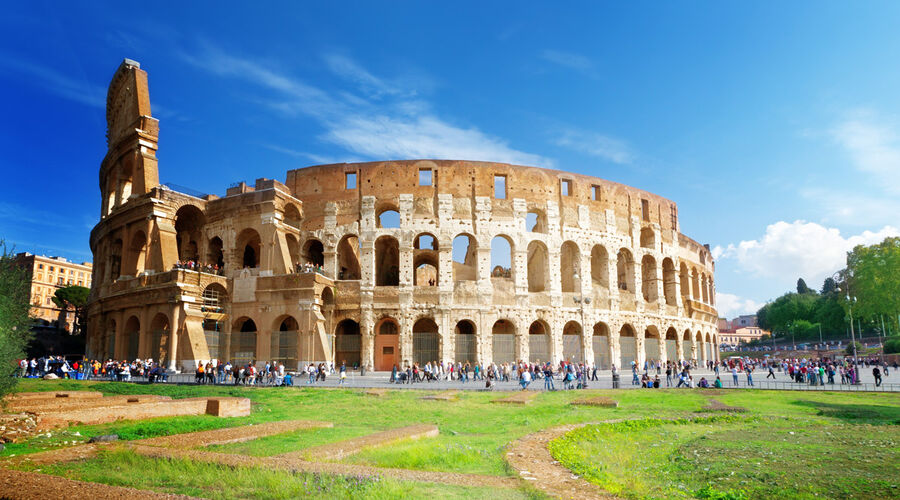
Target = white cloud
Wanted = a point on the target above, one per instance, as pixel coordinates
(873, 146)
(729, 305)
(798, 249)
(569, 60)
(598, 145)
(390, 123)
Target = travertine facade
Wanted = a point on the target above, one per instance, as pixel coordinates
(416, 261)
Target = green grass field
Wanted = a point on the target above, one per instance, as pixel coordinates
(843, 444)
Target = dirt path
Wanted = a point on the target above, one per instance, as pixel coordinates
(341, 449)
(442, 396)
(530, 457)
(21, 485)
(299, 465)
(232, 434)
(62, 454)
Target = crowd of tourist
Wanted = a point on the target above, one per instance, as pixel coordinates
(309, 267)
(192, 265)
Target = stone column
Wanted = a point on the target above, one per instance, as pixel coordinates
(174, 327)
(679, 347)
(663, 352)
(640, 355)
(367, 332)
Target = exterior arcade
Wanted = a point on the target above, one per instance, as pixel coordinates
(387, 262)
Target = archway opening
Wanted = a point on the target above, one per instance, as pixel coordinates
(313, 253)
(625, 271)
(348, 258)
(570, 267)
(243, 342)
(284, 342)
(248, 247)
(426, 341)
(214, 253)
(536, 221)
(387, 344)
(600, 267)
(600, 345)
(627, 348)
(501, 257)
(649, 285)
(425, 260)
(389, 218)
(466, 340)
(671, 344)
(347, 344)
(651, 344)
(465, 258)
(503, 340)
(669, 282)
(136, 254)
(538, 266)
(573, 349)
(132, 338)
(387, 261)
(539, 342)
(189, 222)
(648, 238)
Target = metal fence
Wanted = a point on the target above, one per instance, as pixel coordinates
(796, 386)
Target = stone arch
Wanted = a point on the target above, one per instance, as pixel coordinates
(108, 346)
(503, 340)
(652, 344)
(466, 342)
(327, 297)
(712, 291)
(465, 257)
(132, 335)
(285, 333)
(313, 252)
(695, 284)
(538, 266)
(648, 238)
(215, 297)
(539, 342)
(426, 263)
(625, 271)
(189, 222)
(573, 345)
(387, 216)
(137, 252)
(600, 267)
(215, 254)
(570, 267)
(347, 343)
(536, 221)
(627, 347)
(685, 275)
(387, 261)
(293, 245)
(387, 344)
(243, 341)
(348, 258)
(649, 279)
(426, 341)
(249, 247)
(704, 290)
(671, 344)
(601, 346)
(292, 216)
(502, 256)
(669, 282)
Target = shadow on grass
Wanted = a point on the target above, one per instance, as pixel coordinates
(855, 413)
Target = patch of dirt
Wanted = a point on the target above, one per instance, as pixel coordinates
(21, 485)
(376, 392)
(299, 465)
(530, 457)
(342, 449)
(232, 434)
(716, 405)
(713, 392)
(601, 401)
(57, 455)
(442, 396)
(519, 398)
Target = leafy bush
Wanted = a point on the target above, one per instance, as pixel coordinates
(849, 350)
(892, 345)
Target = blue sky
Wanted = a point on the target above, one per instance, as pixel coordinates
(774, 126)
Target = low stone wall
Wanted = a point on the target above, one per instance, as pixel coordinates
(220, 407)
(35, 405)
(32, 396)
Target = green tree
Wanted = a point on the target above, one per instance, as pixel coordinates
(15, 323)
(830, 286)
(873, 277)
(802, 288)
(73, 297)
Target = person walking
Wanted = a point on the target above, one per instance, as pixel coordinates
(771, 371)
(668, 375)
(877, 374)
(548, 377)
(734, 375)
(343, 373)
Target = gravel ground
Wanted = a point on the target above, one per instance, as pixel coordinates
(20, 485)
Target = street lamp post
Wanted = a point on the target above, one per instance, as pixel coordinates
(850, 301)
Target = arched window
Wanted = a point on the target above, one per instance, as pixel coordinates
(248, 247)
(426, 341)
(501, 257)
(573, 350)
(669, 283)
(649, 279)
(538, 267)
(214, 253)
(570, 267)
(503, 338)
(189, 221)
(648, 238)
(313, 253)
(465, 258)
(539, 342)
(387, 261)
(625, 270)
(425, 260)
(348, 258)
(389, 218)
(466, 341)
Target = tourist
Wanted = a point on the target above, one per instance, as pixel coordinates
(734, 375)
(749, 370)
(668, 375)
(548, 377)
(877, 374)
(718, 383)
(343, 373)
(525, 379)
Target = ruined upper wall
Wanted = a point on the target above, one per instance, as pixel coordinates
(467, 180)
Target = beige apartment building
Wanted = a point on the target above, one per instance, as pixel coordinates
(47, 274)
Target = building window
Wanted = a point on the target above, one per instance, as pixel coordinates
(81, 274)
(350, 180)
(500, 187)
(51, 269)
(40, 277)
(673, 214)
(595, 193)
(645, 210)
(61, 281)
(68, 282)
(40, 266)
(565, 186)
(48, 301)
(80, 283)
(426, 177)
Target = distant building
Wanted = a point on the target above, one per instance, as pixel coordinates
(47, 274)
(744, 321)
(742, 335)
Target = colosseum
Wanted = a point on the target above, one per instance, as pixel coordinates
(385, 263)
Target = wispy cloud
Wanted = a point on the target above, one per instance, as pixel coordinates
(729, 305)
(54, 81)
(569, 60)
(319, 159)
(599, 145)
(873, 145)
(389, 122)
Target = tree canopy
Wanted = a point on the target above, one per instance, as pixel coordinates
(74, 297)
(15, 323)
(873, 278)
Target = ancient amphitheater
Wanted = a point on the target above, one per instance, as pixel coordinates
(399, 262)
